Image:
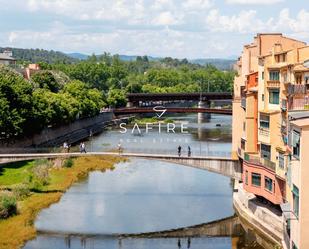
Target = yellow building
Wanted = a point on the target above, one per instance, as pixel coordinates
(272, 82)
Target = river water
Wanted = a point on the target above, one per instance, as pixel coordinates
(145, 195)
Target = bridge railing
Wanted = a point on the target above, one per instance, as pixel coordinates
(157, 151)
(174, 151)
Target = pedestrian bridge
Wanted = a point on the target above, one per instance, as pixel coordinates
(222, 165)
(226, 227)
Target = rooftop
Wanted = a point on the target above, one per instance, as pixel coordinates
(6, 57)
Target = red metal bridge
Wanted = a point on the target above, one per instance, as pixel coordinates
(137, 110)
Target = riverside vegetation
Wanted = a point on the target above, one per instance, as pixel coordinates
(28, 187)
(65, 91)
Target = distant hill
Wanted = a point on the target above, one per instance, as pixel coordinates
(223, 64)
(39, 55)
(78, 56)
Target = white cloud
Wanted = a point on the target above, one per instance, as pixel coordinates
(166, 18)
(243, 22)
(197, 4)
(249, 22)
(254, 2)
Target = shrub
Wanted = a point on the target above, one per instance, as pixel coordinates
(39, 176)
(8, 206)
(21, 191)
(68, 163)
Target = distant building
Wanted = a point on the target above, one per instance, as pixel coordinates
(6, 58)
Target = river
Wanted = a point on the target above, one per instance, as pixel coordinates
(146, 195)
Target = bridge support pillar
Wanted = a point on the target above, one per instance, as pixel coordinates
(203, 116)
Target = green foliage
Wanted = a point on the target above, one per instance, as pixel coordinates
(116, 98)
(8, 206)
(68, 163)
(15, 103)
(89, 101)
(46, 80)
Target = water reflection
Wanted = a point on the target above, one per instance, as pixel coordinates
(204, 138)
(140, 196)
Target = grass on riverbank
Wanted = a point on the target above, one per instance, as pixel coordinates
(16, 230)
(152, 120)
(15, 173)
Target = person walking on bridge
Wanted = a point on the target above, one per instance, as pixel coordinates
(189, 151)
(179, 150)
(82, 147)
(119, 148)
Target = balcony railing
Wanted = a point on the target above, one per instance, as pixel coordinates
(240, 152)
(299, 104)
(273, 83)
(283, 105)
(264, 132)
(297, 89)
(243, 102)
(256, 159)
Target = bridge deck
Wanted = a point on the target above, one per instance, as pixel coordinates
(221, 165)
(24, 156)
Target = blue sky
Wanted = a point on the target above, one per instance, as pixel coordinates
(177, 28)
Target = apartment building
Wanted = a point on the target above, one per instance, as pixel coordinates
(270, 88)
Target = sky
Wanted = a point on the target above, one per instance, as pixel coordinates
(176, 28)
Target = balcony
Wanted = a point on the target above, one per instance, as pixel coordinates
(273, 83)
(256, 159)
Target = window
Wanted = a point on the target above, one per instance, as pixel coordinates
(262, 75)
(296, 143)
(281, 160)
(264, 121)
(246, 177)
(262, 97)
(244, 126)
(295, 200)
(256, 179)
(268, 184)
(265, 151)
(274, 75)
(274, 96)
(298, 78)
